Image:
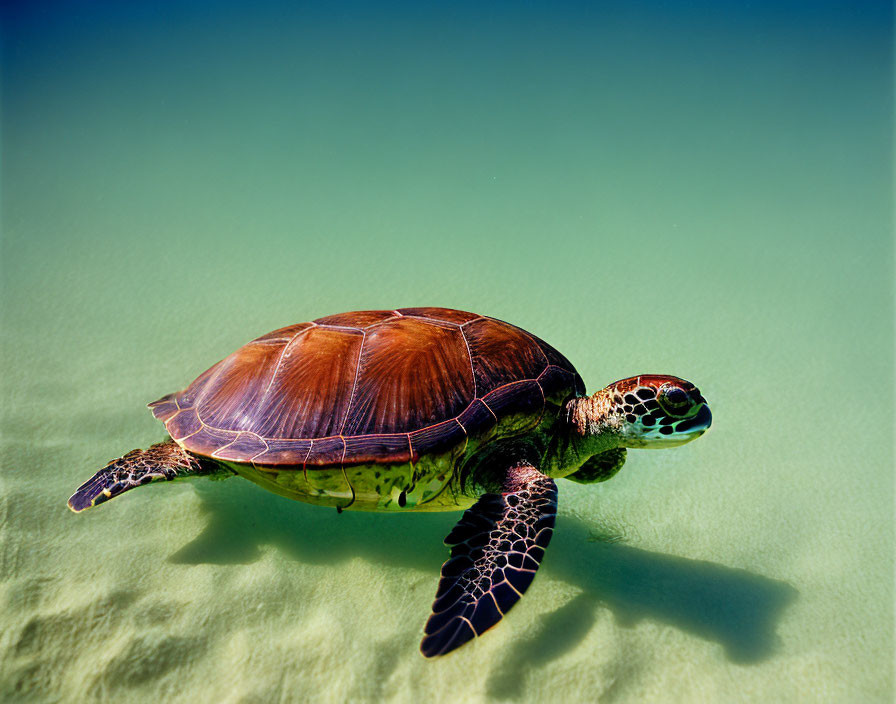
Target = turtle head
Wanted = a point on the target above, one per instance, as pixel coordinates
(646, 411)
(654, 411)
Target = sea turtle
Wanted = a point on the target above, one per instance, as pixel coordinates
(415, 409)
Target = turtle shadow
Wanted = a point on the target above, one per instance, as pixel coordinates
(243, 520)
(736, 608)
(557, 633)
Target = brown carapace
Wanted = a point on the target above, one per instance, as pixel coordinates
(367, 387)
(414, 409)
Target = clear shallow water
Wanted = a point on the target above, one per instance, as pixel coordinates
(695, 191)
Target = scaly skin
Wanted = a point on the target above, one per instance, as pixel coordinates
(164, 461)
(496, 549)
(643, 412)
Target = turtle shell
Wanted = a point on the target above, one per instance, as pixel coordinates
(369, 387)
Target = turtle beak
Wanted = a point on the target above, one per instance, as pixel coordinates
(698, 423)
(679, 432)
(693, 427)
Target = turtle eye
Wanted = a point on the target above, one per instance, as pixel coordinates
(674, 400)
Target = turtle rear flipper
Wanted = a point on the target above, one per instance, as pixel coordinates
(161, 462)
(496, 548)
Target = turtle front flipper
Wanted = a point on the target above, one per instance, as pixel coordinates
(496, 548)
(161, 462)
(600, 467)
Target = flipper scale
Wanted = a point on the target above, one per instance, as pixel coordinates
(496, 547)
(161, 462)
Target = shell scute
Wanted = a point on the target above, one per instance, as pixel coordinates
(308, 394)
(358, 319)
(556, 359)
(368, 449)
(412, 374)
(502, 354)
(437, 439)
(556, 382)
(245, 446)
(164, 408)
(279, 452)
(478, 416)
(444, 315)
(208, 440)
(327, 451)
(229, 393)
(519, 406)
(184, 424)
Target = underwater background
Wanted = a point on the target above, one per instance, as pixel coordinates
(695, 188)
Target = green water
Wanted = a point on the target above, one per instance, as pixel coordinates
(692, 190)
